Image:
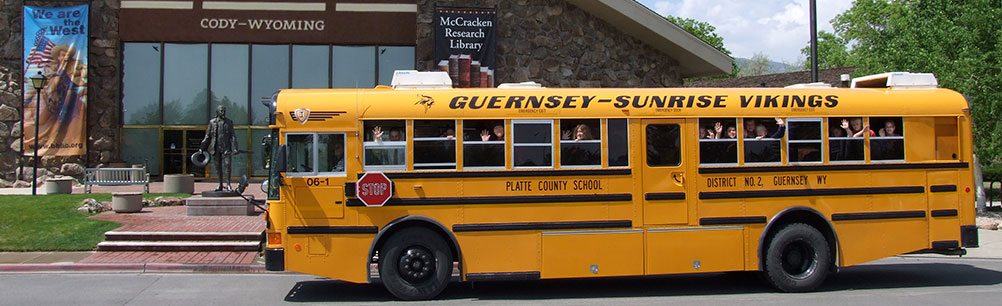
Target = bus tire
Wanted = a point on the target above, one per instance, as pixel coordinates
(798, 258)
(415, 264)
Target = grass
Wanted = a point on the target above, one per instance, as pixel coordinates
(52, 222)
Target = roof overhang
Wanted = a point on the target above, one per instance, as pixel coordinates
(695, 57)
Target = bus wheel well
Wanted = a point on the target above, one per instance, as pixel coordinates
(411, 222)
(801, 215)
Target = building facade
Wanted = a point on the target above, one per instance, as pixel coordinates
(158, 69)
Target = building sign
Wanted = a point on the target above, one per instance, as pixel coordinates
(55, 46)
(385, 22)
(465, 45)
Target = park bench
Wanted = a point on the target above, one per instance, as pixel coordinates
(116, 177)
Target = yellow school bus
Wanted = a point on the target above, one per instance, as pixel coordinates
(523, 182)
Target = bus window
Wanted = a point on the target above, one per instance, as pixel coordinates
(762, 139)
(483, 144)
(843, 146)
(434, 144)
(580, 143)
(330, 153)
(385, 145)
(300, 153)
(804, 142)
(718, 141)
(663, 145)
(619, 143)
(888, 143)
(532, 143)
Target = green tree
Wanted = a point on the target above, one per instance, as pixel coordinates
(758, 65)
(833, 52)
(705, 32)
(957, 40)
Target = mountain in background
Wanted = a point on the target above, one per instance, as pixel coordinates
(774, 67)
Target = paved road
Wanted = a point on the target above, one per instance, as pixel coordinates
(894, 281)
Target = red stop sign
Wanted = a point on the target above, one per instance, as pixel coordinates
(374, 189)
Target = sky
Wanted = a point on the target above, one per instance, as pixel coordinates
(776, 28)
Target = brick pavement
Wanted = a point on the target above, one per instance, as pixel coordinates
(175, 219)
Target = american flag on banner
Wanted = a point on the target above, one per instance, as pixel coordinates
(41, 52)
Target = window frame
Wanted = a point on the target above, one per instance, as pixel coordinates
(681, 144)
(514, 144)
(876, 136)
(739, 145)
(315, 160)
(605, 139)
(820, 141)
(506, 152)
(415, 139)
(744, 147)
(599, 141)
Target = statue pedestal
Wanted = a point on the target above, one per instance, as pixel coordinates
(219, 206)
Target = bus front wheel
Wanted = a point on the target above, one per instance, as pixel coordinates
(798, 258)
(415, 264)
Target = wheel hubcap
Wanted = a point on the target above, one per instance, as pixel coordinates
(416, 264)
(799, 259)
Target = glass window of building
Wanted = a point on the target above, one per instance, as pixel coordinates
(228, 80)
(354, 66)
(580, 143)
(310, 66)
(434, 144)
(186, 95)
(269, 73)
(385, 145)
(258, 136)
(718, 141)
(141, 83)
(483, 144)
(138, 154)
(392, 59)
(532, 143)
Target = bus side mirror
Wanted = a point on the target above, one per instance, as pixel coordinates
(280, 159)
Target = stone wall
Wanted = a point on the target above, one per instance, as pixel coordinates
(830, 76)
(102, 98)
(557, 44)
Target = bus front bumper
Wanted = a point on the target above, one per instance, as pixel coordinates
(274, 259)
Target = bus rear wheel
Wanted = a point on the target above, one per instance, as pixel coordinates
(415, 264)
(798, 258)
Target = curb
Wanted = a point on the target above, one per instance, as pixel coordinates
(133, 268)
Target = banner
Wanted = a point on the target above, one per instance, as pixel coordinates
(465, 45)
(55, 47)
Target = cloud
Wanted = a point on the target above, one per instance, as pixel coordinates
(776, 28)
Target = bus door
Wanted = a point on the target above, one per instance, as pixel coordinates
(664, 181)
(316, 174)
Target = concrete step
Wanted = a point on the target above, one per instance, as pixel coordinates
(180, 246)
(181, 236)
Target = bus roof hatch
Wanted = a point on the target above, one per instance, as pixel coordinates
(896, 80)
(413, 79)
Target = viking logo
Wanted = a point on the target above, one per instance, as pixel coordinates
(426, 101)
(301, 115)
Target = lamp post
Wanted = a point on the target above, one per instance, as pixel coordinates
(37, 82)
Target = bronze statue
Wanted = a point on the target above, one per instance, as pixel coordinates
(221, 143)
